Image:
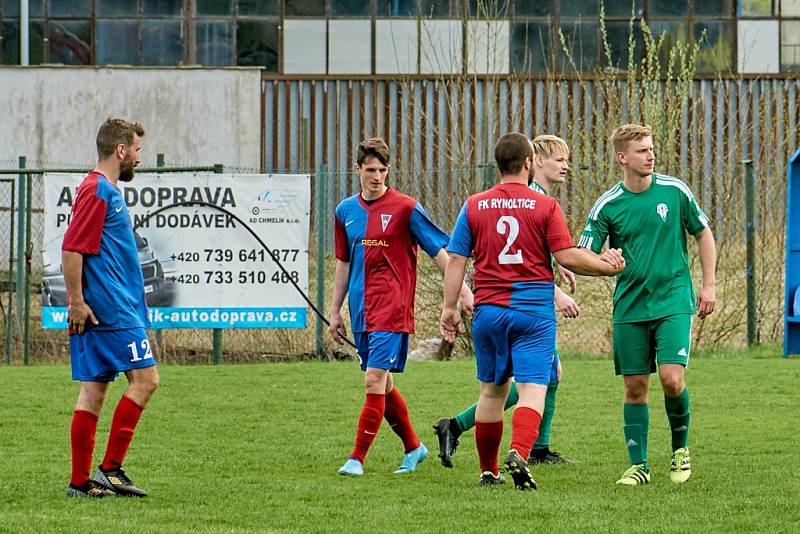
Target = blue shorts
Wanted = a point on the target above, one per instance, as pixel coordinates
(513, 343)
(100, 355)
(382, 350)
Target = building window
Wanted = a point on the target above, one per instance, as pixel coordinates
(756, 8)
(790, 45)
(304, 45)
(394, 36)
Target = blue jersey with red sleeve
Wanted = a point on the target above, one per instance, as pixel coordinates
(512, 230)
(380, 240)
(100, 229)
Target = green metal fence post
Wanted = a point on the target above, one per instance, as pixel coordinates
(20, 237)
(750, 245)
(10, 310)
(26, 326)
(216, 344)
(159, 334)
(321, 221)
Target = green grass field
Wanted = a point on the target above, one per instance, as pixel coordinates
(255, 448)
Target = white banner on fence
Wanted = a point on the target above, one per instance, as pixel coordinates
(201, 268)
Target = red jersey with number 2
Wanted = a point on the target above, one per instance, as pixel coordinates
(511, 230)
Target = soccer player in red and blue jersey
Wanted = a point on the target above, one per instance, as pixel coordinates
(550, 166)
(106, 313)
(511, 231)
(377, 235)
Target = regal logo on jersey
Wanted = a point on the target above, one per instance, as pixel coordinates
(374, 243)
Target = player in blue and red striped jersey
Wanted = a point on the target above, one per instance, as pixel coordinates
(377, 234)
(106, 313)
(511, 231)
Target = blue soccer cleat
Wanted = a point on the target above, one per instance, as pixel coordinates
(412, 459)
(352, 468)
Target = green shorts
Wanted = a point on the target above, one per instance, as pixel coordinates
(640, 347)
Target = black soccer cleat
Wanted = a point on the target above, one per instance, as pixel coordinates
(490, 479)
(546, 456)
(90, 489)
(117, 481)
(519, 471)
(447, 441)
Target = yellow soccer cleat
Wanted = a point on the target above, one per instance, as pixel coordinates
(681, 468)
(635, 475)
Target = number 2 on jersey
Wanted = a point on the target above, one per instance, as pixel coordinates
(507, 222)
(148, 352)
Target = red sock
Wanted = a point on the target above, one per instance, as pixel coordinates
(119, 438)
(368, 424)
(81, 438)
(487, 438)
(524, 430)
(396, 415)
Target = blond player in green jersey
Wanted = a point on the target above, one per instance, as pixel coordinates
(648, 215)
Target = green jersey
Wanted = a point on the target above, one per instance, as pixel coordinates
(650, 227)
(539, 189)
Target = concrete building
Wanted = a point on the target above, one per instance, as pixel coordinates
(362, 37)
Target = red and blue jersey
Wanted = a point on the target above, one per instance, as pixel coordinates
(380, 240)
(512, 230)
(100, 229)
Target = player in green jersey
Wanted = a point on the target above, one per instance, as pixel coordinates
(648, 216)
(550, 166)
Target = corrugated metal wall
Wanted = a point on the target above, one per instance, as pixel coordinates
(440, 132)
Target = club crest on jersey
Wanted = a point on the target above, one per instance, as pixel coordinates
(662, 210)
(385, 218)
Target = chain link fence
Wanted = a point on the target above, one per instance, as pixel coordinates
(442, 192)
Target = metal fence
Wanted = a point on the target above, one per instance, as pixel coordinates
(588, 334)
(436, 127)
(441, 134)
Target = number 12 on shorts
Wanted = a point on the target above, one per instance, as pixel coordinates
(145, 345)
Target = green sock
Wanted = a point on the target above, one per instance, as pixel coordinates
(637, 425)
(466, 419)
(513, 397)
(679, 417)
(543, 441)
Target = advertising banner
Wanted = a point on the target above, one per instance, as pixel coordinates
(202, 267)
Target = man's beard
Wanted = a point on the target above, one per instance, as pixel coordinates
(126, 171)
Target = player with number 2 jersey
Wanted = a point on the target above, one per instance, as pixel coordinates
(510, 231)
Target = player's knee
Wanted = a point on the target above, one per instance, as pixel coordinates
(375, 382)
(635, 393)
(673, 385)
(147, 383)
(152, 383)
(91, 397)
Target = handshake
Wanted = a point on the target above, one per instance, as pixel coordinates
(613, 257)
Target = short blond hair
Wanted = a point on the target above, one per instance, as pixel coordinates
(547, 145)
(629, 132)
